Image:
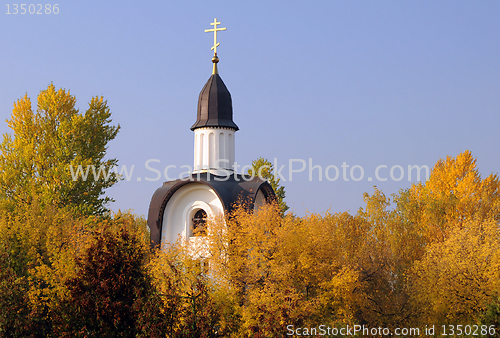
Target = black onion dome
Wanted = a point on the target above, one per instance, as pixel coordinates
(215, 108)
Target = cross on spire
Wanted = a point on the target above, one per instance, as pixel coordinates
(215, 30)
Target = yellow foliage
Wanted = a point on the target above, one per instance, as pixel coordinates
(343, 294)
(434, 258)
(454, 194)
(286, 270)
(456, 278)
(36, 160)
(40, 246)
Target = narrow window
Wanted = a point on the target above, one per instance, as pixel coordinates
(199, 223)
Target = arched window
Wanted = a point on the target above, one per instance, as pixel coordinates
(199, 223)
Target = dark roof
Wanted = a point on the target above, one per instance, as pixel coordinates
(231, 191)
(215, 108)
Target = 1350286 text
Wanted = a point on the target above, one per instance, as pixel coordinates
(32, 9)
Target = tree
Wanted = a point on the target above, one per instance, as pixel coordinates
(109, 290)
(453, 195)
(445, 249)
(37, 251)
(265, 169)
(456, 279)
(283, 270)
(15, 314)
(52, 147)
(492, 315)
(192, 301)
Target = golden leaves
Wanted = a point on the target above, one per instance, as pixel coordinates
(456, 278)
(35, 161)
(454, 194)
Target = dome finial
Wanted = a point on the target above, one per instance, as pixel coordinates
(215, 59)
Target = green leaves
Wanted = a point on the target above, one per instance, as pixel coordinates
(265, 169)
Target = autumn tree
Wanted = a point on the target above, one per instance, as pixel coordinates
(202, 313)
(39, 198)
(39, 248)
(107, 294)
(15, 314)
(265, 169)
(456, 279)
(282, 270)
(37, 251)
(41, 159)
(491, 316)
(454, 194)
(447, 232)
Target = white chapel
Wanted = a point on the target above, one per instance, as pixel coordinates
(179, 208)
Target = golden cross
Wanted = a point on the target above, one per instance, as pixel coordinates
(215, 30)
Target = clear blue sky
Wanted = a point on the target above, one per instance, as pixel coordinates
(368, 83)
